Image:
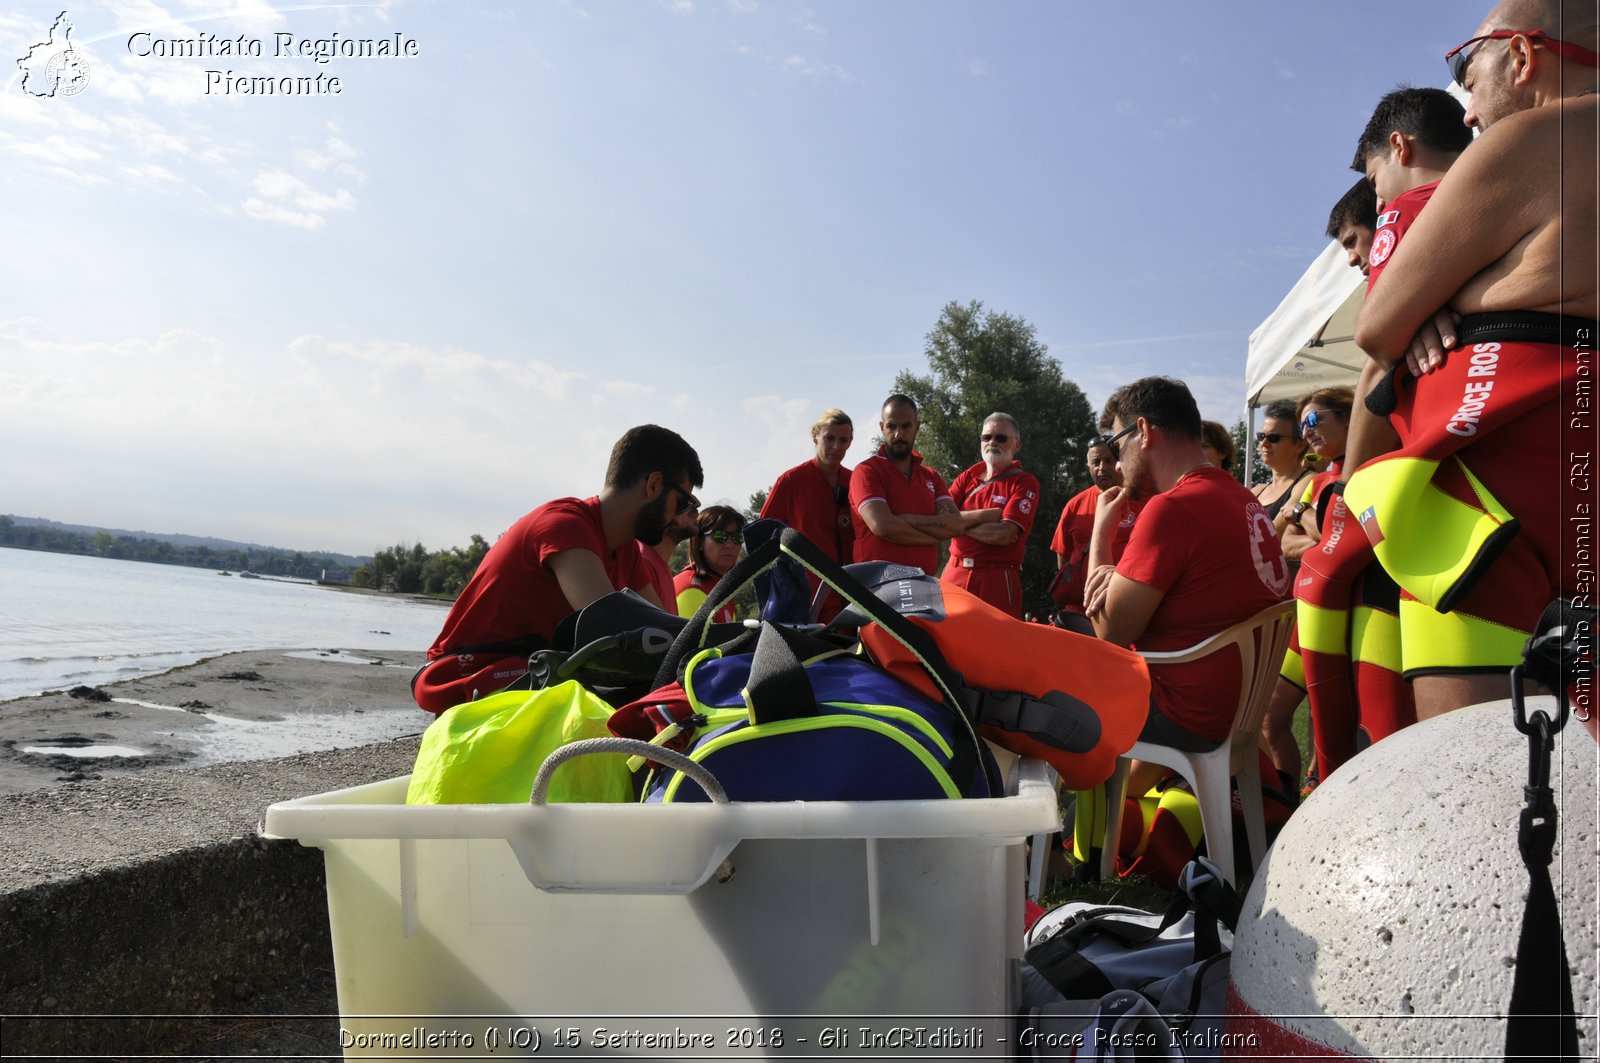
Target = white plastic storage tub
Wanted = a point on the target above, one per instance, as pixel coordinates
(847, 929)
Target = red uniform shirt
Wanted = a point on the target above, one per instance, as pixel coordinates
(514, 594)
(660, 576)
(1014, 492)
(1073, 532)
(1209, 545)
(804, 500)
(879, 479)
(1392, 225)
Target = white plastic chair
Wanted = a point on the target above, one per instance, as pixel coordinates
(1261, 641)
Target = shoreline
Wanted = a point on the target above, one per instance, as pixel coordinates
(233, 707)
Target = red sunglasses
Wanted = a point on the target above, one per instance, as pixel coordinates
(1459, 58)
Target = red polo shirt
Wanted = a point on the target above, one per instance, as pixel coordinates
(1014, 492)
(878, 479)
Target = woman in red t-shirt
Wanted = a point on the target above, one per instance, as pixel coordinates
(714, 549)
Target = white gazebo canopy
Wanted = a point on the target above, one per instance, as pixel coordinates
(1308, 342)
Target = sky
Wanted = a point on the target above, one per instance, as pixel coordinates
(414, 309)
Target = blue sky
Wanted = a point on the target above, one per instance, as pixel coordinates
(416, 309)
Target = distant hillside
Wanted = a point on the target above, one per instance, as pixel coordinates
(219, 546)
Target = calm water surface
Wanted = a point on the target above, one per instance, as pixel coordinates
(66, 620)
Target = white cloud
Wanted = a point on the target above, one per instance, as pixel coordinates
(283, 197)
(742, 7)
(977, 68)
(806, 21)
(679, 7)
(805, 67)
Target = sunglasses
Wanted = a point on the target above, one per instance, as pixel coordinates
(995, 437)
(1458, 58)
(1272, 438)
(1314, 418)
(1110, 442)
(721, 537)
(686, 503)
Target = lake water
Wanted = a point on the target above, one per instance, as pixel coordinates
(66, 619)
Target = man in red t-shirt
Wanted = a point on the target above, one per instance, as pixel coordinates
(902, 509)
(556, 560)
(987, 559)
(1076, 526)
(1202, 557)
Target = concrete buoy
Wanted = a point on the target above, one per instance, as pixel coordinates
(1384, 922)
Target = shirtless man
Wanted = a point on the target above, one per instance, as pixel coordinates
(1478, 511)
(901, 508)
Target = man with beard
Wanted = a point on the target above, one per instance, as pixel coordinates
(987, 560)
(1478, 513)
(657, 557)
(556, 560)
(902, 509)
(1202, 557)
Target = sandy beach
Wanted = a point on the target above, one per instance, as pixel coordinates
(235, 707)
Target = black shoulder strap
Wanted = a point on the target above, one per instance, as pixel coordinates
(1540, 1020)
(778, 688)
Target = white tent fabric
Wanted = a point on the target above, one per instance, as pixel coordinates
(1308, 341)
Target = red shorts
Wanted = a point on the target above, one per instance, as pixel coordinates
(999, 585)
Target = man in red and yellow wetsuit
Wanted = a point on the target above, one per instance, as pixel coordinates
(987, 559)
(902, 509)
(556, 560)
(1076, 527)
(1348, 618)
(1478, 515)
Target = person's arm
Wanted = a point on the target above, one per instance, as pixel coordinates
(998, 533)
(1480, 211)
(906, 530)
(583, 578)
(1121, 608)
(1369, 434)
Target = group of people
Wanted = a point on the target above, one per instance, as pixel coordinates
(1457, 503)
(1422, 545)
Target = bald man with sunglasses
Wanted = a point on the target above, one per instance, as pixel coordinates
(1491, 300)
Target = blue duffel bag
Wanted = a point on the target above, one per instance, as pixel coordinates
(797, 720)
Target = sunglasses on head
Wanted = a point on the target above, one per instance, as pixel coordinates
(1459, 58)
(719, 536)
(995, 437)
(1274, 438)
(1110, 442)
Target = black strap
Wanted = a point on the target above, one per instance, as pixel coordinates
(965, 761)
(1541, 1022)
(1057, 719)
(778, 688)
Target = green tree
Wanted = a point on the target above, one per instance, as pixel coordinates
(1259, 473)
(757, 500)
(980, 362)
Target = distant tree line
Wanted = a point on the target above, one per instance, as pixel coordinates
(268, 561)
(414, 570)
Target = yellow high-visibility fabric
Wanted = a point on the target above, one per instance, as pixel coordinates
(488, 751)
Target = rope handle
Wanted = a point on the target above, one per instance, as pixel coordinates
(628, 747)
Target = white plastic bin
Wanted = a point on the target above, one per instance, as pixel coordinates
(848, 929)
